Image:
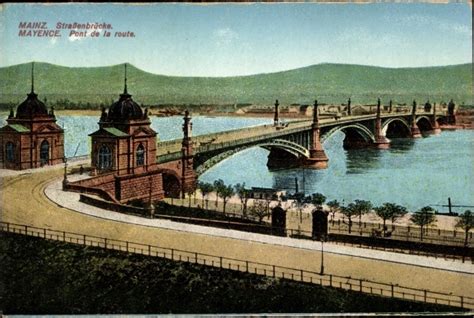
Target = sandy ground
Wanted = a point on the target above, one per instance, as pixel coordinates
(234, 206)
(23, 201)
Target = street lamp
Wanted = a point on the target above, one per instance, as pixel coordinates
(321, 272)
(65, 182)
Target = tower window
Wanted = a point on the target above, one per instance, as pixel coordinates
(140, 155)
(44, 152)
(10, 151)
(104, 159)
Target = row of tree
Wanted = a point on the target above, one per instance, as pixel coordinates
(391, 211)
(260, 209)
(387, 211)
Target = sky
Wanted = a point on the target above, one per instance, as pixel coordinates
(243, 39)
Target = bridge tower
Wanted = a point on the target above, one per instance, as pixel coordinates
(381, 141)
(415, 131)
(451, 113)
(318, 158)
(276, 118)
(188, 176)
(434, 122)
(349, 111)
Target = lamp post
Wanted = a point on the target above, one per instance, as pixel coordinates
(322, 255)
(65, 181)
(151, 208)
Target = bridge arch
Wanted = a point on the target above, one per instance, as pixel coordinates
(424, 123)
(293, 150)
(171, 183)
(351, 129)
(396, 127)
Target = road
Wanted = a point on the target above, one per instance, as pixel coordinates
(23, 201)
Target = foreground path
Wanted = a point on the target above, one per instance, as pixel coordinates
(25, 199)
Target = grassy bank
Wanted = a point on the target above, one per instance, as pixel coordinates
(47, 277)
(86, 88)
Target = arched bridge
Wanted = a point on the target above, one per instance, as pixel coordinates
(297, 142)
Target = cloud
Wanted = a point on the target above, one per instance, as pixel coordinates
(359, 37)
(225, 36)
(431, 22)
(53, 40)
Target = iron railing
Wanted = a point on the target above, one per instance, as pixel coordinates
(276, 271)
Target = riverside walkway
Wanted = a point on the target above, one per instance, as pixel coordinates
(36, 199)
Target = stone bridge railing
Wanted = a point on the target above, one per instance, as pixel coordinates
(171, 149)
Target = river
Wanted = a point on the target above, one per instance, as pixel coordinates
(413, 172)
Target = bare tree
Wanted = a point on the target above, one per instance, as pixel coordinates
(259, 210)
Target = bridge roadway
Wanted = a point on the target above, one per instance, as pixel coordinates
(171, 149)
(23, 201)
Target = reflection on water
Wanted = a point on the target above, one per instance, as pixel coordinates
(360, 160)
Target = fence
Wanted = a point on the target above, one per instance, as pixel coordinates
(404, 233)
(299, 275)
(448, 252)
(399, 232)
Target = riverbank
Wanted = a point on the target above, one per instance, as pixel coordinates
(464, 117)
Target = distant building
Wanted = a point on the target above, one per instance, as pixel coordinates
(31, 138)
(265, 193)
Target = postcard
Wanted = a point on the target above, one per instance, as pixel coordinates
(236, 158)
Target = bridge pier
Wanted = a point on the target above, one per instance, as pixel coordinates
(188, 175)
(414, 130)
(381, 142)
(434, 123)
(317, 157)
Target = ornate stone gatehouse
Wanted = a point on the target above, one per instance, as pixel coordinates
(123, 155)
(31, 138)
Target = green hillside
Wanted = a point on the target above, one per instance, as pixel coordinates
(330, 83)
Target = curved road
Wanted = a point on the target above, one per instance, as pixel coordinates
(23, 201)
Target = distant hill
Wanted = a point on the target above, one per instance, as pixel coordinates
(88, 87)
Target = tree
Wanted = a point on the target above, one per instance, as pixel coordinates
(218, 186)
(389, 211)
(349, 212)
(259, 210)
(466, 222)
(300, 200)
(206, 188)
(190, 193)
(361, 207)
(226, 192)
(333, 208)
(399, 212)
(244, 195)
(318, 199)
(423, 218)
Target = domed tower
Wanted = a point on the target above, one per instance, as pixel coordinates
(125, 143)
(124, 150)
(31, 138)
